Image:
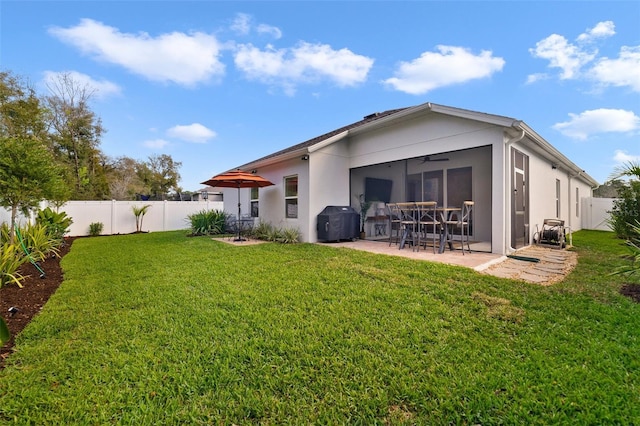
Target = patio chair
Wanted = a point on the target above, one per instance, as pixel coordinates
(462, 222)
(408, 223)
(427, 223)
(394, 223)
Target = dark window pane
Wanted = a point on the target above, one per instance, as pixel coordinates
(459, 184)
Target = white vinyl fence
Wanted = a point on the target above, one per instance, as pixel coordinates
(595, 213)
(117, 216)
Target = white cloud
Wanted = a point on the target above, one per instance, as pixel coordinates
(101, 89)
(274, 32)
(155, 143)
(195, 132)
(532, 78)
(562, 54)
(241, 24)
(185, 59)
(623, 71)
(580, 60)
(602, 120)
(450, 65)
(601, 30)
(623, 157)
(304, 63)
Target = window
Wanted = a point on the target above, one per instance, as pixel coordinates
(291, 197)
(459, 183)
(558, 198)
(254, 202)
(577, 202)
(433, 187)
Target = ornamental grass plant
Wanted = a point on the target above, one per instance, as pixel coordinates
(204, 332)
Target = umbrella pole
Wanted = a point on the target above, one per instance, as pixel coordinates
(238, 238)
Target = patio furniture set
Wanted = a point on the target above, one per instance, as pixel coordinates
(420, 223)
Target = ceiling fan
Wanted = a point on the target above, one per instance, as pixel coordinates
(428, 158)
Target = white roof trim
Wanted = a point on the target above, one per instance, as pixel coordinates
(333, 139)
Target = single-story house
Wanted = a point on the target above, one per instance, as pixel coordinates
(427, 152)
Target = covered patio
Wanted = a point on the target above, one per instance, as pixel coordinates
(448, 178)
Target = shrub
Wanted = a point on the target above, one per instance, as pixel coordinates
(634, 247)
(37, 242)
(289, 236)
(262, 231)
(56, 223)
(626, 211)
(95, 228)
(11, 258)
(268, 232)
(207, 222)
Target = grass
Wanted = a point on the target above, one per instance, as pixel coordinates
(159, 328)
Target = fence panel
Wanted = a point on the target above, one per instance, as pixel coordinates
(118, 218)
(596, 213)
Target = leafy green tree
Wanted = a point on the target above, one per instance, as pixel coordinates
(75, 136)
(28, 172)
(28, 175)
(124, 180)
(21, 113)
(160, 175)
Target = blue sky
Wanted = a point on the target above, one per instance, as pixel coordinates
(218, 84)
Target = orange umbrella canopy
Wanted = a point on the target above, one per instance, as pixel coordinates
(238, 179)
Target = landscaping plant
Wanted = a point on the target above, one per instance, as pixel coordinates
(37, 242)
(11, 258)
(56, 223)
(95, 228)
(207, 222)
(139, 212)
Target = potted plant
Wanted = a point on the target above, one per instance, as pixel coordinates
(364, 208)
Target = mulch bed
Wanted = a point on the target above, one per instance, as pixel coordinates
(29, 299)
(632, 291)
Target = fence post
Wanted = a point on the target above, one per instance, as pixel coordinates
(113, 216)
(164, 215)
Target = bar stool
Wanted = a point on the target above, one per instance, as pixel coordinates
(427, 222)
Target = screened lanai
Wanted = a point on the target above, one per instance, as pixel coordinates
(449, 178)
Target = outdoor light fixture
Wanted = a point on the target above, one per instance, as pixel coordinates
(304, 158)
(254, 171)
(554, 166)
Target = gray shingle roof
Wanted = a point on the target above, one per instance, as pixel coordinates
(308, 143)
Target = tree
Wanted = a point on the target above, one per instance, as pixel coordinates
(160, 175)
(28, 175)
(21, 114)
(124, 181)
(75, 136)
(28, 172)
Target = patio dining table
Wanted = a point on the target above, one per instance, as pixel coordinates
(446, 215)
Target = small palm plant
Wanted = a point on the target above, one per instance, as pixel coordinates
(139, 212)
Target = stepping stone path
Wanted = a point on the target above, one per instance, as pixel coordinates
(554, 265)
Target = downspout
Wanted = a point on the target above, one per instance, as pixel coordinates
(507, 193)
(570, 227)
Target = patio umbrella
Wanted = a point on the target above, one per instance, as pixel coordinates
(238, 179)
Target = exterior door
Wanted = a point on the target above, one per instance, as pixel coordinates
(519, 199)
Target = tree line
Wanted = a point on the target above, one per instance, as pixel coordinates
(57, 136)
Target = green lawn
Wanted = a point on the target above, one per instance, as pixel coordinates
(160, 328)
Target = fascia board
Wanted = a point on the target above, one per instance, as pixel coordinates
(554, 155)
(333, 139)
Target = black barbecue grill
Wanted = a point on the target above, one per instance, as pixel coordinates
(337, 223)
